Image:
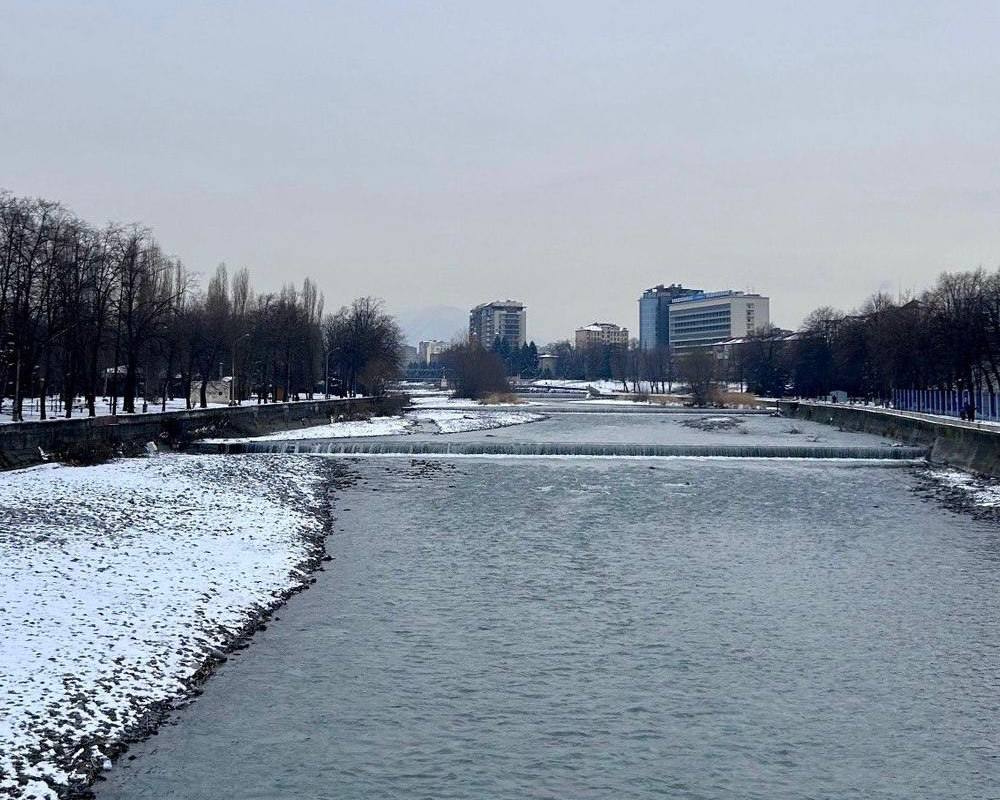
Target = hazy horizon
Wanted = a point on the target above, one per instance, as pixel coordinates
(566, 155)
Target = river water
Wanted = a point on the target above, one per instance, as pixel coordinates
(603, 628)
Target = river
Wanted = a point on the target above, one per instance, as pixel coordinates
(505, 627)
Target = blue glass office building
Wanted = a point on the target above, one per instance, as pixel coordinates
(654, 314)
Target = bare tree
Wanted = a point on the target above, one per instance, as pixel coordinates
(365, 344)
(698, 370)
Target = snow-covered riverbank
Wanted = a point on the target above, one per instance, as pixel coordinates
(461, 421)
(119, 582)
(443, 420)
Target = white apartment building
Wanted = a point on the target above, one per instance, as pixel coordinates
(707, 318)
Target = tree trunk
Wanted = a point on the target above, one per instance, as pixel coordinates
(128, 402)
(69, 385)
(92, 381)
(17, 407)
(114, 385)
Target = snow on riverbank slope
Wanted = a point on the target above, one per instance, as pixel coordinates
(118, 581)
(447, 401)
(445, 420)
(472, 420)
(376, 426)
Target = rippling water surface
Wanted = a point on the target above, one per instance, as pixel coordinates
(508, 628)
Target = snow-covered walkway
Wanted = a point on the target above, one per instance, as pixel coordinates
(118, 581)
(940, 419)
(102, 408)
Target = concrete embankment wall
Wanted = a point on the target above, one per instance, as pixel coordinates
(949, 443)
(23, 444)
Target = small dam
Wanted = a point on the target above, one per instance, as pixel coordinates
(581, 449)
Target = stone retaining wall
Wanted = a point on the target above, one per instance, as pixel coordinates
(26, 443)
(952, 443)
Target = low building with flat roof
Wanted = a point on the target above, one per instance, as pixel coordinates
(547, 363)
(707, 318)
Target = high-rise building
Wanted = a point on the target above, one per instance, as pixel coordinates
(605, 333)
(428, 352)
(654, 305)
(504, 318)
(409, 354)
(684, 318)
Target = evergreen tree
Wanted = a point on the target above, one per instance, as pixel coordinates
(529, 367)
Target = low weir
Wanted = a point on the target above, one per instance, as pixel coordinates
(468, 448)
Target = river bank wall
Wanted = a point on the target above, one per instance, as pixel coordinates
(967, 446)
(25, 443)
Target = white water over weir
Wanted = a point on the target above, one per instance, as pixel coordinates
(475, 448)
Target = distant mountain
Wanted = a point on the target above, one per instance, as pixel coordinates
(432, 322)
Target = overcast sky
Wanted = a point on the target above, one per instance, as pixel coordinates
(567, 154)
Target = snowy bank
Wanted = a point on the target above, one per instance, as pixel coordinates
(447, 401)
(90, 439)
(119, 582)
(448, 421)
(375, 426)
(458, 420)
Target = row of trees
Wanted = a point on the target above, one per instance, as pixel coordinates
(654, 370)
(521, 361)
(946, 337)
(104, 312)
(475, 372)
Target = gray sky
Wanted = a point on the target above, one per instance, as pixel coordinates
(568, 154)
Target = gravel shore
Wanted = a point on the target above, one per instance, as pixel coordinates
(123, 585)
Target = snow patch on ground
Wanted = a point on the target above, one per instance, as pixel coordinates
(459, 420)
(614, 401)
(607, 387)
(376, 426)
(102, 408)
(443, 401)
(472, 420)
(119, 581)
(446, 401)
